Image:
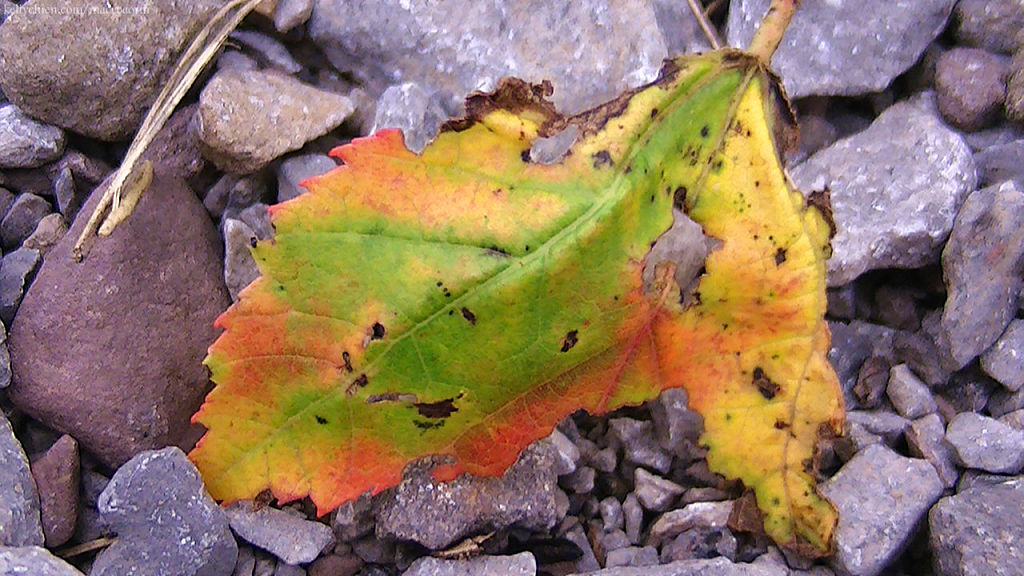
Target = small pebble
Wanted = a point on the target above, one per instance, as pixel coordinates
(986, 444)
(654, 492)
(25, 143)
(21, 219)
(611, 514)
(971, 86)
(1004, 361)
(908, 394)
(291, 538)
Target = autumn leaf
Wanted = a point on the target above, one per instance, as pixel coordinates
(463, 301)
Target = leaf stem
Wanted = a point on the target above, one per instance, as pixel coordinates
(702, 19)
(769, 35)
(188, 68)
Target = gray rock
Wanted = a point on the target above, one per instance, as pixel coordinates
(587, 561)
(239, 265)
(988, 24)
(890, 427)
(291, 538)
(267, 50)
(704, 517)
(412, 109)
(604, 460)
(282, 569)
(613, 540)
(991, 137)
(593, 50)
(235, 60)
(633, 517)
(110, 63)
(677, 428)
(701, 567)
(611, 514)
(291, 14)
(970, 86)
(245, 120)
(295, 169)
(908, 394)
(1000, 162)
(986, 444)
(581, 481)
(522, 564)
(700, 544)
(48, 232)
(56, 475)
(1014, 419)
(1004, 402)
(926, 438)
(133, 320)
(842, 48)
(654, 492)
(632, 556)
(19, 501)
(165, 521)
(639, 445)
(922, 351)
(852, 344)
(25, 143)
(881, 496)
(21, 219)
(567, 454)
(977, 532)
(373, 550)
(16, 272)
(437, 515)
(35, 561)
(895, 188)
(1004, 361)
(872, 380)
(983, 264)
(353, 519)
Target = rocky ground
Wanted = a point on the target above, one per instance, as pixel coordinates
(907, 112)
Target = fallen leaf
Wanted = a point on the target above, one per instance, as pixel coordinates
(463, 301)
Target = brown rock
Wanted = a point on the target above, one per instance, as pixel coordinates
(110, 350)
(246, 119)
(1015, 87)
(56, 473)
(91, 68)
(970, 86)
(331, 565)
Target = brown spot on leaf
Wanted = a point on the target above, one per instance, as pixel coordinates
(356, 384)
(679, 198)
(512, 94)
(704, 131)
(571, 338)
(320, 419)
(764, 385)
(468, 315)
(821, 201)
(440, 409)
(780, 256)
(347, 358)
(377, 331)
(601, 158)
